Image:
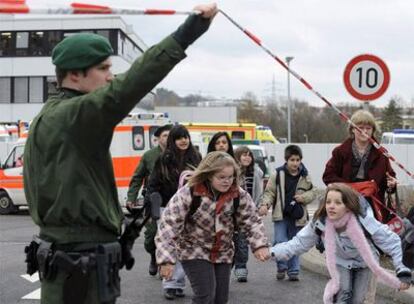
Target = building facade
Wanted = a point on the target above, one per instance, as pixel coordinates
(26, 71)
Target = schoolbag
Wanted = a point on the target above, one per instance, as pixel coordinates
(196, 202)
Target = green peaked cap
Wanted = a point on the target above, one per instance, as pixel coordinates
(81, 51)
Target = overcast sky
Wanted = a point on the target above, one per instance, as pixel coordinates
(321, 35)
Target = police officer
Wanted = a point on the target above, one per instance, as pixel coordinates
(142, 173)
(68, 175)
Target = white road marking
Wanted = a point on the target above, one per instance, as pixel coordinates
(32, 279)
(34, 295)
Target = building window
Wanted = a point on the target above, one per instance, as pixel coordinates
(21, 88)
(51, 86)
(5, 43)
(103, 33)
(5, 89)
(36, 89)
(52, 39)
(22, 43)
(121, 41)
(37, 45)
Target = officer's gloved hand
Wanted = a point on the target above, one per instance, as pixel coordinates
(194, 26)
(405, 276)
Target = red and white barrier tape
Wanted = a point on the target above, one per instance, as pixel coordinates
(343, 116)
(20, 7)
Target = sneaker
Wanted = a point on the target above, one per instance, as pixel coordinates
(241, 274)
(293, 277)
(179, 293)
(280, 275)
(153, 268)
(169, 293)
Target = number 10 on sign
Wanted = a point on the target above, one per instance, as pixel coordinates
(366, 77)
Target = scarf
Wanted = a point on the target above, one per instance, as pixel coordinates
(354, 232)
(360, 160)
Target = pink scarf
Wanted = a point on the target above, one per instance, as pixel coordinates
(355, 233)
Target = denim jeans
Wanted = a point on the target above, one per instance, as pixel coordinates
(353, 285)
(178, 278)
(241, 250)
(284, 231)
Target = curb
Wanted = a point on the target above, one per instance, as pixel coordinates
(315, 262)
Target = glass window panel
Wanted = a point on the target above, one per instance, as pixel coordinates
(138, 142)
(51, 86)
(20, 89)
(36, 90)
(37, 45)
(22, 40)
(5, 43)
(104, 33)
(5, 89)
(52, 38)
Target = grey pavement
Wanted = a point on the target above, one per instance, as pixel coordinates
(139, 288)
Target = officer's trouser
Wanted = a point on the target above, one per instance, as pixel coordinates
(149, 234)
(52, 290)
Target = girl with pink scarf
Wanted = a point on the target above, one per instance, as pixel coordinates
(351, 237)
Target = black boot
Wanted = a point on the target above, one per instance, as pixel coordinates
(153, 268)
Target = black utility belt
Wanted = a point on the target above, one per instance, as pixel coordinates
(105, 258)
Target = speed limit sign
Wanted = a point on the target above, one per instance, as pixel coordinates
(366, 77)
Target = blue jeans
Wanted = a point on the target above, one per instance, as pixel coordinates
(284, 231)
(241, 250)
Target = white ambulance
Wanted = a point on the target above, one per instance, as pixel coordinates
(132, 137)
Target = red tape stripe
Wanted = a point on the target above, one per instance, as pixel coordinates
(82, 8)
(13, 8)
(159, 12)
(253, 37)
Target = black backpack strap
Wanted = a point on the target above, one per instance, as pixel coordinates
(278, 188)
(195, 204)
(236, 204)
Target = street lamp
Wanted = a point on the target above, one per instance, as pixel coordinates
(289, 106)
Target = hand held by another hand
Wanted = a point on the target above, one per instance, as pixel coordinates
(262, 254)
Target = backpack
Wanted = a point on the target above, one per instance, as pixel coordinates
(196, 202)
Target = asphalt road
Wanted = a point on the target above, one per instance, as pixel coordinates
(137, 286)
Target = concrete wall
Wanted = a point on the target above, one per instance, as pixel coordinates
(315, 156)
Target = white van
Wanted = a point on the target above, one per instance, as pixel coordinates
(398, 136)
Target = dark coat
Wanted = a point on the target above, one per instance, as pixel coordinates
(339, 167)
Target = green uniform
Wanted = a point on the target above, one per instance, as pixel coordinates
(68, 174)
(142, 172)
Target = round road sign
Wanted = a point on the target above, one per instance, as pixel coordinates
(366, 77)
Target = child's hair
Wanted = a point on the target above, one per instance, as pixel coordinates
(363, 117)
(212, 144)
(292, 150)
(350, 198)
(214, 162)
(172, 159)
(237, 156)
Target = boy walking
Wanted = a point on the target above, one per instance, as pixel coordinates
(288, 192)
